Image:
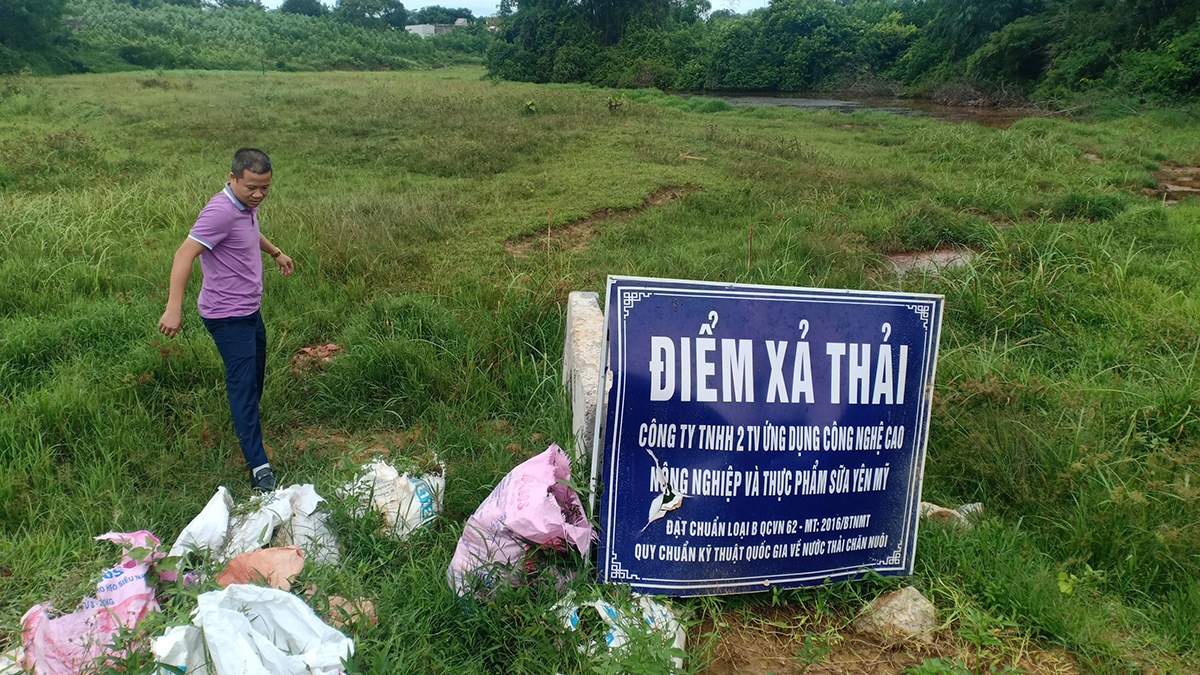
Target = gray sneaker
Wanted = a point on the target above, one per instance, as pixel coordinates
(263, 480)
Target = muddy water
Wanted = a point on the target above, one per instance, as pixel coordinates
(844, 102)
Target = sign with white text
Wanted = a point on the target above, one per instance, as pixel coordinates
(759, 436)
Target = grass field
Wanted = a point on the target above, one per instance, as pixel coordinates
(416, 207)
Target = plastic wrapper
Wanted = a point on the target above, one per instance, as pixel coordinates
(646, 615)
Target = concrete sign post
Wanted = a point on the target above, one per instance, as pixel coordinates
(759, 436)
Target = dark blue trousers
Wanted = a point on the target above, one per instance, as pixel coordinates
(242, 342)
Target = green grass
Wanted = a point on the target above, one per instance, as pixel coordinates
(1067, 396)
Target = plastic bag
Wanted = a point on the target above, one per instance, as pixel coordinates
(208, 530)
(294, 511)
(655, 616)
(252, 630)
(276, 567)
(530, 505)
(70, 643)
(405, 502)
(308, 527)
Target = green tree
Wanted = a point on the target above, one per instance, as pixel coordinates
(372, 13)
(964, 25)
(237, 4)
(439, 14)
(30, 25)
(305, 7)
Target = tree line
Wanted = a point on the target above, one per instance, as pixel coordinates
(983, 51)
(999, 50)
(61, 36)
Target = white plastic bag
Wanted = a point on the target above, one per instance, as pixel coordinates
(182, 647)
(308, 527)
(10, 662)
(405, 501)
(656, 617)
(293, 509)
(208, 530)
(254, 630)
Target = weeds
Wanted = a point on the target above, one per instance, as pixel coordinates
(1065, 401)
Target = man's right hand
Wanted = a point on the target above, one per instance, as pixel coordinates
(170, 322)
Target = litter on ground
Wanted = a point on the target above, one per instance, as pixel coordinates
(276, 567)
(406, 502)
(647, 615)
(253, 629)
(530, 505)
(73, 642)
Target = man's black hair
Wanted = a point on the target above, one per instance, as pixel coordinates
(252, 160)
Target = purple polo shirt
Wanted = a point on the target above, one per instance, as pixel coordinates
(232, 265)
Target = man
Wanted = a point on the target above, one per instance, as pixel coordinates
(230, 247)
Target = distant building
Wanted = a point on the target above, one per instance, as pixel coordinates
(430, 29)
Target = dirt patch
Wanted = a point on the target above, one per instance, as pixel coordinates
(1175, 182)
(309, 359)
(574, 235)
(340, 447)
(777, 640)
(943, 257)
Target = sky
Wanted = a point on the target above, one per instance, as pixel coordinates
(486, 8)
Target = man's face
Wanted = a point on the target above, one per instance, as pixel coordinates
(251, 188)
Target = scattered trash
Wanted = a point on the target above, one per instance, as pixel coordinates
(208, 530)
(205, 535)
(308, 527)
(278, 567)
(531, 505)
(70, 643)
(405, 502)
(314, 358)
(286, 517)
(343, 612)
(10, 662)
(253, 629)
(657, 617)
(960, 517)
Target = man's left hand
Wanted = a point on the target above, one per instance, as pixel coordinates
(286, 266)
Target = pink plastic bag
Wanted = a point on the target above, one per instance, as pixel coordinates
(529, 506)
(72, 642)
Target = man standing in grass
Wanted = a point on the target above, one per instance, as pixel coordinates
(230, 247)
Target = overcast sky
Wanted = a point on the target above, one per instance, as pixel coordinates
(485, 8)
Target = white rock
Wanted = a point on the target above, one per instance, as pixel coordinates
(581, 368)
(904, 613)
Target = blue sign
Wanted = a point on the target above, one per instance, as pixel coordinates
(761, 436)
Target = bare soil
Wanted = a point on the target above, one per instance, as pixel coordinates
(772, 640)
(355, 450)
(1175, 182)
(943, 257)
(574, 235)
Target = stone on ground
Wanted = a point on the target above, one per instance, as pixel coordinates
(903, 613)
